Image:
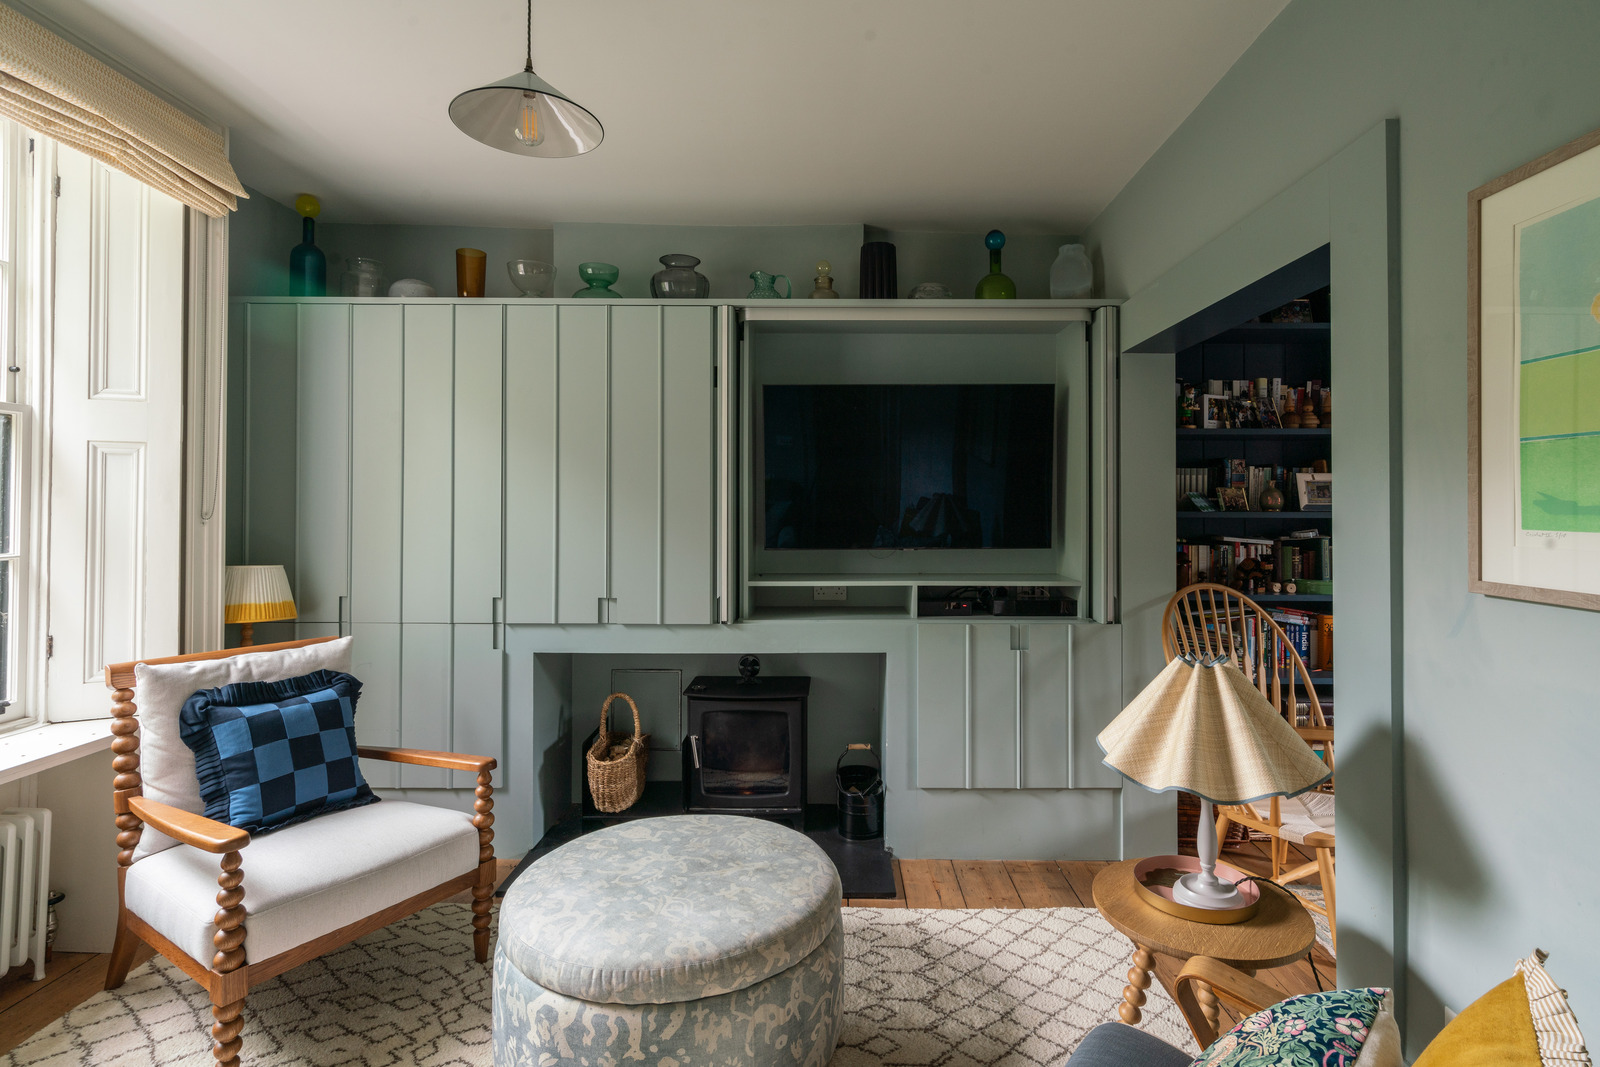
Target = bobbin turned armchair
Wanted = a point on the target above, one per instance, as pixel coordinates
(308, 888)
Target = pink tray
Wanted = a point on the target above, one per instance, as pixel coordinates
(1159, 896)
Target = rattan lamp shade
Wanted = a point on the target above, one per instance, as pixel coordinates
(1206, 730)
(258, 594)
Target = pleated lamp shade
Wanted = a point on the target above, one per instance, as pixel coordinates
(258, 594)
(1204, 729)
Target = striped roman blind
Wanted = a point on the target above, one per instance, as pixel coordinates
(64, 93)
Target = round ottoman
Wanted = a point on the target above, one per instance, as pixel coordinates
(687, 941)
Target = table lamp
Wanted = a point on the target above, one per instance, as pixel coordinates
(1203, 728)
(256, 594)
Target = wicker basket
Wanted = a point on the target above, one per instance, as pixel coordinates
(616, 770)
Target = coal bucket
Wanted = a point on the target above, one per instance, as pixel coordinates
(860, 796)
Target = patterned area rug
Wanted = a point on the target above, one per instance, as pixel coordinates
(925, 988)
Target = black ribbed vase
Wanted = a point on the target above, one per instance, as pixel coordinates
(878, 280)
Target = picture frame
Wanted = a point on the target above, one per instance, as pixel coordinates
(1232, 498)
(1213, 411)
(1533, 347)
(1315, 491)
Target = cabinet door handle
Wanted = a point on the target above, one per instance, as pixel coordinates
(342, 616)
(494, 623)
(1022, 699)
(694, 750)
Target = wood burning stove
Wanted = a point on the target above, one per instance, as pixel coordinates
(746, 745)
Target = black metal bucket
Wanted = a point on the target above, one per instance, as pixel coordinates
(860, 796)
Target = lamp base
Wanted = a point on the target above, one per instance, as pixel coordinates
(1204, 890)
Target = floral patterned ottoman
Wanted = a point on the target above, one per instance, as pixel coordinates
(704, 940)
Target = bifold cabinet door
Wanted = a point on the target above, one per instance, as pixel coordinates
(688, 471)
(477, 699)
(322, 504)
(425, 699)
(582, 454)
(427, 465)
(377, 442)
(478, 452)
(992, 706)
(375, 659)
(530, 464)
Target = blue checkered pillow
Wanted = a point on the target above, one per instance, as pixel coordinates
(271, 754)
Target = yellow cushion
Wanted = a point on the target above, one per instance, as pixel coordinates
(1496, 1030)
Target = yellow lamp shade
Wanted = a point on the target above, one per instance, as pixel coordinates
(258, 594)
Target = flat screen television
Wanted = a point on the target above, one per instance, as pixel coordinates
(907, 466)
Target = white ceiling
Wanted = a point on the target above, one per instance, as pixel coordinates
(915, 114)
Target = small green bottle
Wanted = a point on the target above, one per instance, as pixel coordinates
(995, 285)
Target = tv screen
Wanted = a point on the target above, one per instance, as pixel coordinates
(908, 466)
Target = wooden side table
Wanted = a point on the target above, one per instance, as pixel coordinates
(1281, 931)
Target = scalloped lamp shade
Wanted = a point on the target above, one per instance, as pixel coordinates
(257, 594)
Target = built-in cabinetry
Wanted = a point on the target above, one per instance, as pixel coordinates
(460, 466)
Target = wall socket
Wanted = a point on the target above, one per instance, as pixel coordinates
(827, 592)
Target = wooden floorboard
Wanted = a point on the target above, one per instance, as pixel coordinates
(985, 884)
(27, 1006)
(1042, 884)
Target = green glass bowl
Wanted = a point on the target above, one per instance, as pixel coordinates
(597, 279)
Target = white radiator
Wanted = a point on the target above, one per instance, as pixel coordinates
(24, 887)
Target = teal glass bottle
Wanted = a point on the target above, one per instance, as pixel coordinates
(308, 267)
(995, 285)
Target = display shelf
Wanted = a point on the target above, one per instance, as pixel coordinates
(1274, 333)
(826, 611)
(1291, 598)
(1221, 435)
(1321, 515)
(781, 580)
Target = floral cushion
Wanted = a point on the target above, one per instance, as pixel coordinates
(1315, 1030)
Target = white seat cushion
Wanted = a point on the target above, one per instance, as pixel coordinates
(1304, 815)
(306, 880)
(165, 762)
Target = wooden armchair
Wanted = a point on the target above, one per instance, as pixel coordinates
(1204, 982)
(1212, 620)
(319, 884)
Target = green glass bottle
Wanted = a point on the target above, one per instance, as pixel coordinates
(995, 285)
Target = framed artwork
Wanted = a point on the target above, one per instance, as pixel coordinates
(1316, 491)
(1533, 392)
(1233, 499)
(1213, 411)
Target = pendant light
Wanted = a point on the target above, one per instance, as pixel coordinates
(526, 114)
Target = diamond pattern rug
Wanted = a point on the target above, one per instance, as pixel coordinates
(925, 988)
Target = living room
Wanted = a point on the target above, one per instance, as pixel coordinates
(587, 496)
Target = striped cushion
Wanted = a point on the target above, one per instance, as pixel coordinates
(1555, 1027)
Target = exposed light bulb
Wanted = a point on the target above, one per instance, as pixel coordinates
(528, 126)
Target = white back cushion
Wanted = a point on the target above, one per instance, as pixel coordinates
(165, 762)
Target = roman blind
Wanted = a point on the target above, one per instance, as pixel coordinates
(64, 93)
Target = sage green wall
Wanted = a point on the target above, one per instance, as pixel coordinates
(429, 253)
(260, 235)
(1499, 733)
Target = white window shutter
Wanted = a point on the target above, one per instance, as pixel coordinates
(116, 432)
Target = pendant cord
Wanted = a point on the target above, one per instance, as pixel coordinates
(529, 67)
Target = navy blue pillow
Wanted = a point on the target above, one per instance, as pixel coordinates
(271, 754)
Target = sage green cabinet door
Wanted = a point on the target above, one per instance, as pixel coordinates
(322, 498)
(426, 693)
(270, 336)
(530, 465)
(1097, 698)
(477, 699)
(943, 702)
(1046, 663)
(377, 443)
(375, 659)
(635, 466)
(427, 438)
(582, 450)
(688, 467)
(993, 675)
(478, 451)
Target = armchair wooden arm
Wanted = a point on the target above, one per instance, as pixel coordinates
(1205, 979)
(450, 761)
(191, 829)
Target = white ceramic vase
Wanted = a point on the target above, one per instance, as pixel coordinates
(1071, 275)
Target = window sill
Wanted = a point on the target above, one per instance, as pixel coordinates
(31, 751)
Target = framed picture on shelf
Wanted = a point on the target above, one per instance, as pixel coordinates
(1201, 502)
(1316, 491)
(1533, 385)
(1232, 498)
(1213, 411)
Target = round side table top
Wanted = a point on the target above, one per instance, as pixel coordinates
(1280, 932)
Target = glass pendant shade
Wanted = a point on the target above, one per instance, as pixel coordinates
(526, 115)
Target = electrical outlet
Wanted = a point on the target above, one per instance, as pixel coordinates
(827, 592)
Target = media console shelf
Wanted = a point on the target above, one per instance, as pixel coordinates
(1033, 597)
